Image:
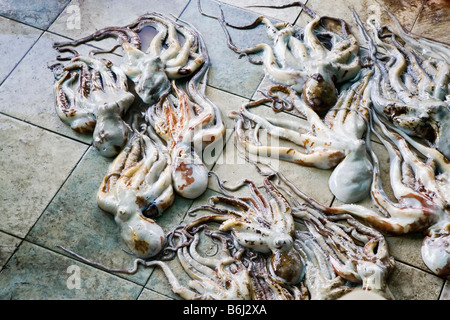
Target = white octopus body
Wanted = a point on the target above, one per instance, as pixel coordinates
(335, 141)
(92, 96)
(263, 225)
(137, 188)
(304, 63)
(411, 88)
(222, 278)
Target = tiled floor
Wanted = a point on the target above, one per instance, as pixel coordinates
(50, 174)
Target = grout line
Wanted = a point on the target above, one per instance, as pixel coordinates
(57, 192)
(29, 49)
(46, 129)
(21, 59)
(21, 22)
(56, 18)
(299, 14)
(418, 15)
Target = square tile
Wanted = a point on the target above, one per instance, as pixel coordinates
(228, 72)
(39, 14)
(74, 220)
(22, 36)
(433, 21)
(82, 18)
(408, 283)
(36, 163)
(35, 273)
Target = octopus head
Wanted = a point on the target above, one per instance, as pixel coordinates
(436, 254)
(286, 264)
(111, 133)
(189, 174)
(351, 180)
(147, 72)
(319, 94)
(143, 236)
(153, 81)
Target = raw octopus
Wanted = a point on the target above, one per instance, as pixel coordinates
(138, 188)
(141, 181)
(313, 61)
(188, 122)
(411, 82)
(308, 70)
(92, 96)
(270, 258)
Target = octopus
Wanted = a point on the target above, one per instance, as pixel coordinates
(188, 122)
(165, 58)
(265, 226)
(420, 187)
(340, 253)
(411, 82)
(313, 61)
(271, 246)
(91, 96)
(328, 256)
(237, 272)
(333, 142)
(136, 189)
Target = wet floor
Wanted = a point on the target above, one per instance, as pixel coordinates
(53, 173)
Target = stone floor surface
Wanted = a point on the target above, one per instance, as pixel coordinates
(50, 174)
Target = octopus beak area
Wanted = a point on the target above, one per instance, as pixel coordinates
(143, 236)
(320, 94)
(286, 264)
(436, 254)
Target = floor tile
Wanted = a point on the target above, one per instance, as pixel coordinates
(226, 103)
(36, 13)
(158, 281)
(8, 245)
(27, 94)
(23, 38)
(445, 295)
(37, 273)
(407, 249)
(151, 295)
(228, 72)
(289, 15)
(433, 21)
(74, 220)
(94, 15)
(408, 283)
(36, 163)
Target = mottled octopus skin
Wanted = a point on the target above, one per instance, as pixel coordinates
(264, 225)
(304, 63)
(336, 141)
(92, 96)
(137, 188)
(411, 88)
